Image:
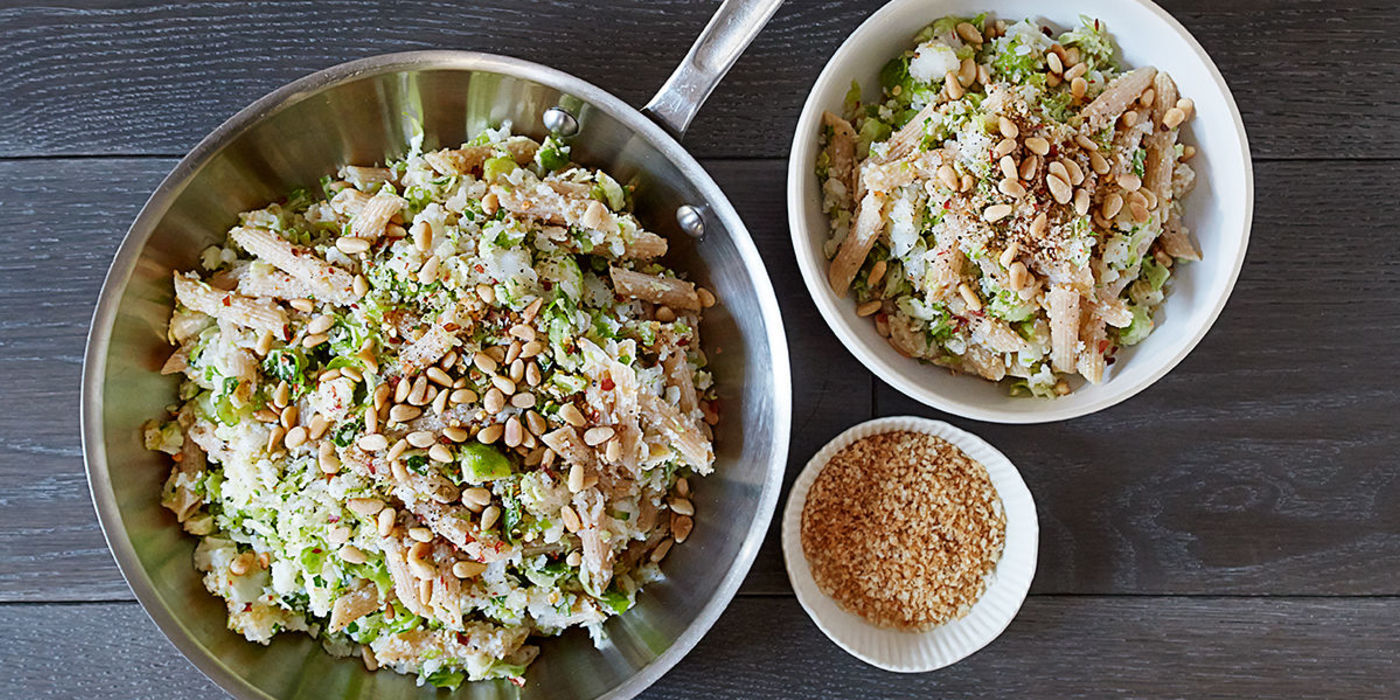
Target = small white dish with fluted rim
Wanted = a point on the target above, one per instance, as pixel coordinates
(1219, 212)
(915, 652)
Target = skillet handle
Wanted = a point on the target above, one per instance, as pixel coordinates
(729, 32)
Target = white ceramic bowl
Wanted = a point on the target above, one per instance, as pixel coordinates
(1218, 212)
(908, 652)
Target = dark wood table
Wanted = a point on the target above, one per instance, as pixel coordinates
(1233, 530)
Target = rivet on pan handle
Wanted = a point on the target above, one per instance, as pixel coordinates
(729, 32)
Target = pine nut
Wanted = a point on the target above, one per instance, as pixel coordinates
(462, 396)
(1187, 153)
(400, 447)
(1059, 188)
(1003, 147)
(491, 433)
(969, 33)
(952, 86)
(477, 497)
(707, 297)
(1098, 163)
(1012, 188)
(613, 452)
(303, 305)
(289, 416)
(484, 362)
(1037, 145)
(487, 294)
(339, 535)
(1029, 165)
(428, 273)
(967, 72)
(494, 401)
(1053, 62)
(948, 177)
(523, 400)
(996, 212)
(1129, 182)
(403, 413)
(1009, 255)
(1081, 201)
(682, 487)
(422, 233)
(681, 525)
(574, 558)
(572, 415)
(597, 436)
(1112, 204)
(1076, 173)
(426, 573)
(984, 75)
(365, 506)
(1077, 71)
(1173, 118)
(967, 181)
(1008, 167)
(351, 245)
(1140, 213)
(384, 522)
(295, 437)
(1040, 225)
(360, 286)
(662, 549)
(313, 340)
(371, 420)
(1019, 275)
(320, 324)
(969, 296)
(503, 384)
(1085, 142)
(513, 430)
(421, 534)
(1058, 168)
(467, 569)
(437, 376)
(422, 439)
(264, 344)
(274, 438)
(372, 443)
(1130, 119)
(517, 368)
(489, 516)
(535, 422)
(1187, 107)
(528, 315)
(523, 332)
(329, 375)
(1078, 86)
(1008, 128)
(455, 434)
(401, 389)
(576, 475)
(664, 314)
(877, 272)
(531, 349)
(418, 395)
(440, 453)
(570, 518)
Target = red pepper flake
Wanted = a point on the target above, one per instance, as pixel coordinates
(517, 681)
(315, 550)
(450, 327)
(178, 456)
(464, 639)
(607, 384)
(1103, 346)
(228, 301)
(247, 607)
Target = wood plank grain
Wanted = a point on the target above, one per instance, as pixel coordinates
(71, 214)
(98, 77)
(1071, 646)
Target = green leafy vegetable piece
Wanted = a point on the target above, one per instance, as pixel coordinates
(496, 168)
(552, 155)
(481, 462)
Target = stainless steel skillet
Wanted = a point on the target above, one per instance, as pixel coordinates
(366, 111)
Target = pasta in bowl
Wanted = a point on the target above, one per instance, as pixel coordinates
(440, 407)
(1015, 203)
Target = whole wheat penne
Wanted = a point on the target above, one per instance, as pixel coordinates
(668, 291)
(260, 314)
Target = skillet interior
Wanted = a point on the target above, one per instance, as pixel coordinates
(364, 112)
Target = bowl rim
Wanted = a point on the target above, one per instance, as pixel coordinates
(992, 612)
(128, 254)
(908, 382)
